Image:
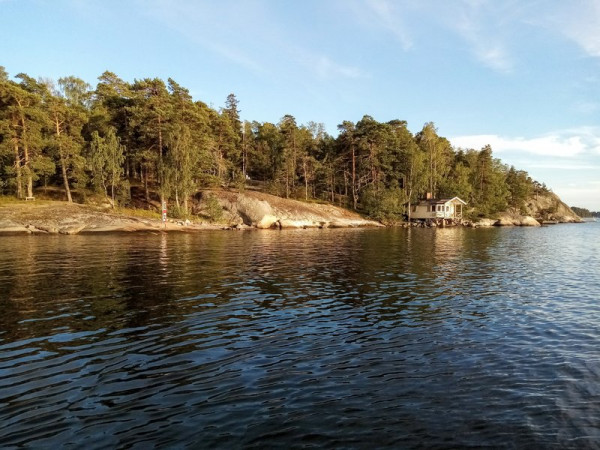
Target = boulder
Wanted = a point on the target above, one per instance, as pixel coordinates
(506, 221)
(528, 221)
(254, 212)
(291, 223)
(266, 221)
(484, 223)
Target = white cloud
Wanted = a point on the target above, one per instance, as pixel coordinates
(328, 69)
(580, 23)
(568, 161)
(479, 25)
(586, 195)
(252, 37)
(563, 166)
(586, 107)
(560, 144)
(385, 15)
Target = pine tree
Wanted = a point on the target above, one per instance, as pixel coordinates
(106, 157)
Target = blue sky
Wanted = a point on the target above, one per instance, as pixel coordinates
(523, 76)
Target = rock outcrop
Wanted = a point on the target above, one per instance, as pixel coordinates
(241, 210)
(513, 218)
(260, 210)
(549, 207)
(539, 209)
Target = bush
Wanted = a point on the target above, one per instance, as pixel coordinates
(386, 205)
(239, 181)
(178, 212)
(213, 208)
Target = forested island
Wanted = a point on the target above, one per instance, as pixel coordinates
(585, 213)
(142, 143)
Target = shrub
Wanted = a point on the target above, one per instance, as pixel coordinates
(213, 208)
(383, 204)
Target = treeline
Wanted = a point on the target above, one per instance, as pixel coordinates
(153, 135)
(583, 212)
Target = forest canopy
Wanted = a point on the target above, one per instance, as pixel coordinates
(153, 135)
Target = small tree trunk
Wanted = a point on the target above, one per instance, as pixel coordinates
(63, 163)
(161, 179)
(25, 150)
(112, 193)
(18, 171)
(146, 191)
(64, 175)
(354, 190)
(29, 173)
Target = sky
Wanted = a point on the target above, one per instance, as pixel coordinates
(520, 75)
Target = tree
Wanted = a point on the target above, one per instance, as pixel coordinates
(107, 156)
(232, 112)
(23, 119)
(491, 192)
(438, 154)
(289, 151)
(347, 141)
(75, 91)
(232, 134)
(372, 138)
(261, 148)
(519, 187)
(112, 103)
(183, 162)
(149, 116)
(409, 164)
(66, 122)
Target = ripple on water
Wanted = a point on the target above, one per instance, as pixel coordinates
(328, 338)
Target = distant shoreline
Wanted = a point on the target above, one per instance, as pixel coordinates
(54, 217)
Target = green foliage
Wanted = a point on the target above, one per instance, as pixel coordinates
(213, 208)
(142, 213)
(582, 212)
(239, 181)
(179, 212)
(153, 134)
(106, 158)
(520, 187)
(386, 205)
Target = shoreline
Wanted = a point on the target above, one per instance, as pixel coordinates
(53, 218)
(238, 211)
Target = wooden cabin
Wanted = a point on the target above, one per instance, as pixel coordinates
(447, 208)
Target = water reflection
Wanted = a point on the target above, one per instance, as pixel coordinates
(340, 338)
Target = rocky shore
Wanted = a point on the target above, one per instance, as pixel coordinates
(538, 210)
(249, 210)
(239, 211)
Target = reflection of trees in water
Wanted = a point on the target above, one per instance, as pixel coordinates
(62, 284)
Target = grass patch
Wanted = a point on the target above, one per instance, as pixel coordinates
(9, 200)
(141, 213)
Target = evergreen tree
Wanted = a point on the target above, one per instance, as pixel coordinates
(107, 156)
(347, 140)
(149, 116)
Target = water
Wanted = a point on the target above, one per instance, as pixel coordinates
(312, 338)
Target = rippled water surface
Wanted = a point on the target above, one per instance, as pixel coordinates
(325, 338)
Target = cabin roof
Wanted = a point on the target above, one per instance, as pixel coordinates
(442, 201)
